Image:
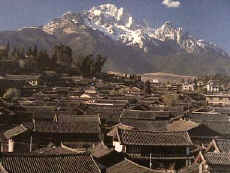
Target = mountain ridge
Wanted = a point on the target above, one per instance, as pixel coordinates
(129, 46)
(120, 25)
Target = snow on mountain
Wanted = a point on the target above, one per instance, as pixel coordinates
(192, 45)
(118, 24)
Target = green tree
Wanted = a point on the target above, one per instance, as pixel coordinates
(99, 63)
(90, 66)
(43, 59)
(147, 88)
(62, 55)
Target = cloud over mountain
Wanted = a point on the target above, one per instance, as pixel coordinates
(171, 3)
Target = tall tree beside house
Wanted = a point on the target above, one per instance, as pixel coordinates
(63, 55)
(85, 65)
(99, 63)
(90, 66)
(18, 53)
(43, 59)
(32, 52)
(147, 88)
(29, 52)
(35, 51)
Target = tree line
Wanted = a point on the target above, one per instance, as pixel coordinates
(59, 59)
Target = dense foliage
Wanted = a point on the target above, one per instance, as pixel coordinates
(59, 59)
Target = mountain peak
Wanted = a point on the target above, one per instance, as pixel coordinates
(109, 13)
(116, 23)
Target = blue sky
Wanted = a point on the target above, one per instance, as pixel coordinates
(205, 19)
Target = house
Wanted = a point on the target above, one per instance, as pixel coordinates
(181, 125)
(44, 163)
(187, 87)
(109, 113)
(74, 134)
(147, 115)
(30, 80)
(131, 167)
(219, 146)
(89, 93)
(165, 147)
(146, 120)
(113, 130)
(213, 162)
(54, 150)
(14, 138)
(212, 87)
(218, 99)
(194, 168)
(221, 128)
(200, 134)
(106, 156)
(82, 132)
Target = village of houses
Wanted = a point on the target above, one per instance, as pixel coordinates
(113, 124)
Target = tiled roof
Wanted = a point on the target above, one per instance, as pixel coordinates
(203, 131)
(66, 127)
(15, 131)
(208, 117)
(72, 163)
(100, 150)
(146, 125)
(181, 125)
(144, 115)
(219, 169)
(131, 137)
(223, 145)
(221, 159)
(53, 150)
(130, 167)
(78, 118)
(194, 168)
(113, 131)
(221, 127)
(111, 101)
(107, 113)
(110, 158)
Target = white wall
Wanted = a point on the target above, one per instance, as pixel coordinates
(10, 145)
(118, 146)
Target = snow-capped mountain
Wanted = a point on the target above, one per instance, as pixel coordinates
(192, 45)
(129, 45)
(118, 24)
